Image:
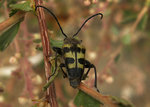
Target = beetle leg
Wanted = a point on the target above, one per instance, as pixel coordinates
(95, 83)
(57, 50)
(85, 75)
(55, 71)
(50, 81)
(61, 67)
(54, 74)
(89, 66)
(55, 66)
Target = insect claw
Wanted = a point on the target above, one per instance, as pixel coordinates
(65, 76)
(98, 90)
(84, 77)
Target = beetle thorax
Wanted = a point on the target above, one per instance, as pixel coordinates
(70, 40)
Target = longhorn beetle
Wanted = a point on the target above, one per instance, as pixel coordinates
(73, 54)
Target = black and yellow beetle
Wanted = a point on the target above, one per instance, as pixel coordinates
(73, 54)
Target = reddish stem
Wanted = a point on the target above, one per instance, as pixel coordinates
(108, 102)
(50, 95)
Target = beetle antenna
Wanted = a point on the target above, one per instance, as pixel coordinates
(86, 21)
(54, 17)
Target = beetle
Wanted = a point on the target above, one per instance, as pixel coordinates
(73, 54)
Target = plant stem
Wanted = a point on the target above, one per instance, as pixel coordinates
(140, 16)
(50, 95)
(12, 20)
(105, 99)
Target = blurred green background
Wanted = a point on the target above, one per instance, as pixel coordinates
(118, 45)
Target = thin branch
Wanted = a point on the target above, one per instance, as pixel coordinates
(112, 58)
(6, 10)
(27, 71)
(50, 95)
(104, 99)
(12, 20)
(140, 16)
(25, 64)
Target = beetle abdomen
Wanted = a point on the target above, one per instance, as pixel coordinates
(74, 60)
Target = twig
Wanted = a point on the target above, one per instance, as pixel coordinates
(105, 99)
(139, 17)
(111, 60)
(6, 10)
(50, 95)
(25, 64)
(27, 71)
(12, 20)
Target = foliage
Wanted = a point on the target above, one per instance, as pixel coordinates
(126, 39)
(82, 99)
(7, 37)
(1, 2)
(121, 102)
(143, 23)
(53, 43)
(117, 58)
(116, 31)
(11, 2)
(22, 6)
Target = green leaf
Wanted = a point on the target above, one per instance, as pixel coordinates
(129, 16)
(11, 2)
(147, 3)
(35, 105)
(1, 2)
(25, 6)
(39, 48)
(7, 37)
(129, 19)
(121, 102)
(126, 39)
(37, 40)
(142, 24)
(53, 43)
(115, 30)
(56, 43)
(84, 100)
(12, 12)
(117, 58)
